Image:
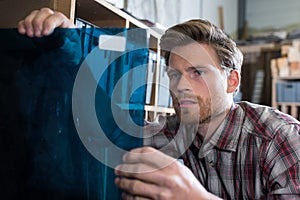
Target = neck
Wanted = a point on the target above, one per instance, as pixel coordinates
(209, 126)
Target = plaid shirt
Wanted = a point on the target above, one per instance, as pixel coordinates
(253, 154)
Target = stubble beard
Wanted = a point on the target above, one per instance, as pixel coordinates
(198, 114)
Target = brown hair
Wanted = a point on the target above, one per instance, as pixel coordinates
(203, 31)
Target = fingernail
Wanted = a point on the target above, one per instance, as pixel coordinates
(30, 33)
(117, 181)
(117, 169)
(124, 195)
(45, 31)
(37, 33)
(21, 30)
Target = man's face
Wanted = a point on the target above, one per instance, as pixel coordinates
(198, 84)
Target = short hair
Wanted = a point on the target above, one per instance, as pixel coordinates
(203, 31)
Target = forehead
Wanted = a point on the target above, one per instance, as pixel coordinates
(193, 54)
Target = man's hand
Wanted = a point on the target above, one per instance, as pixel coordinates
(149, 174)
(42, 23)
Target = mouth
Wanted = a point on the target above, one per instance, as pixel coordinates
(184, 103)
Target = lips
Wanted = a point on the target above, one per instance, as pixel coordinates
(187, 102)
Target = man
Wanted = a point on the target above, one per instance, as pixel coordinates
(230, 150)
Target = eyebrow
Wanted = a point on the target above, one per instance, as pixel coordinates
(170, 68)
(188, 69)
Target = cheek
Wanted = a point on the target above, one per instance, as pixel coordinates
(172, 85)
(201, 88)
(172, 89)
(212, 87)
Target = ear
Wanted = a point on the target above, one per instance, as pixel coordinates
(233, 81)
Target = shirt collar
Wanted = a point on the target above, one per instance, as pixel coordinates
(227, 135)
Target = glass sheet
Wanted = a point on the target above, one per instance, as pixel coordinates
(67, 110)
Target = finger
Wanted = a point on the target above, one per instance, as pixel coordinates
(137, 188)
(150, 156)
(127, 169)
(26, 24)
(39, 19)
(42, 22)
(141, 172)
(127, 196)
(21, 27)
(55, 20)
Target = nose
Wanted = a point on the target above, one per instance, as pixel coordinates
(183, 84)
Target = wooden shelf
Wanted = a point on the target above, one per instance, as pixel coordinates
(152, 111)
(12, 11)
(288, 103)
(103, 14)
(286, 77)
(291, 108)
(97, 12)
(159, 109)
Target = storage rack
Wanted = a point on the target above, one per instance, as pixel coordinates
(102, 14)
(289, 107)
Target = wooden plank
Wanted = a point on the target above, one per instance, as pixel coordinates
(67, 7)
(294, 111)
(12, 11)
(284, 108)
(221, 17)
(101, 12)
(159, 109)
(119, 23)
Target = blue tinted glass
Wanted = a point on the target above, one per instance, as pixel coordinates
(44, 155)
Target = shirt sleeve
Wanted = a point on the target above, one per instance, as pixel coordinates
(282, 166)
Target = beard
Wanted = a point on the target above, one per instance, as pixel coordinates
(202, 112)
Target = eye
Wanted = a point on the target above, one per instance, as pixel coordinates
(196, 73)
(174, 75)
